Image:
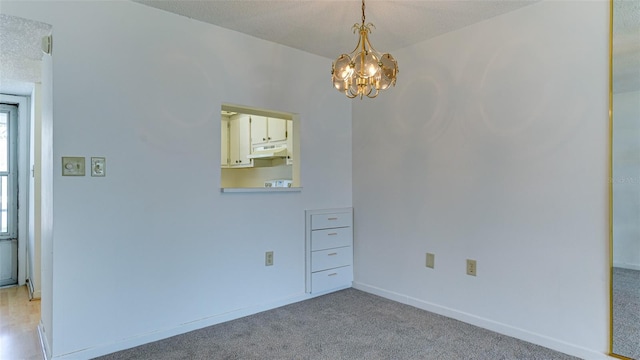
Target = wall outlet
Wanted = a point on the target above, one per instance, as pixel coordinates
(268, 258)
(471, 267)
(98, 166)
(430, 260)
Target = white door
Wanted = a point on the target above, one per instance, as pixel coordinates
(8, 195)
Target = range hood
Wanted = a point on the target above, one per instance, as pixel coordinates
(268, 152)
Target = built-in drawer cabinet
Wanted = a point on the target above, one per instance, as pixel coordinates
(329, 239)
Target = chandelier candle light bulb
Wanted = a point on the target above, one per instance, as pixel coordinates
(364, 71)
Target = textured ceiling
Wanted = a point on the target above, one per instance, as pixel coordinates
(324, 27)
(20, 53)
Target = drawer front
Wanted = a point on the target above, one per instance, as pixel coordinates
(333, 220)
(331, 279)
(331, 238)
(331, 258)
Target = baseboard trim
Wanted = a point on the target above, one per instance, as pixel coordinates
(33, 295)
(43, 342)
(30, 289)
(160, 334)
(488, 324)
(626, 266)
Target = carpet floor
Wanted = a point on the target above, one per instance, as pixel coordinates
(626, 312)
(348, 324)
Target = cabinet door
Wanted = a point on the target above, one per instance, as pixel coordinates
(276, 129)
(289, 142)
(259, 130)
(245, 142)
(239, 145)
(224, 143)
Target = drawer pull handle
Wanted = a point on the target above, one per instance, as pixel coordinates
(332, 234)
(333, 274)
(333, 218)
(332, 254)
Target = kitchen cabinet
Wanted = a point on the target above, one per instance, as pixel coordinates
(289, 142)
(224, 140)
(329, 244)
(266, 130)
(239, 141)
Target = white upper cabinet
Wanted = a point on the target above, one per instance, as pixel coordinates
(289, 143)
(239, 142)
(224, 140)
(277, 129)
(267, 130)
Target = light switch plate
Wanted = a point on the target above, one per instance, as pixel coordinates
(72, 166)
(98, 166)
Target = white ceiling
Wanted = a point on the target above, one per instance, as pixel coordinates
(323, 27)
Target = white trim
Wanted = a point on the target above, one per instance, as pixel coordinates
(46, 353)
(160, 334)
(626, 266)
(24, 109)
(30, 289)
(33, 294)
(488, 324)
(260, 190)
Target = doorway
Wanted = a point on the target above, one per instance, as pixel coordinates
(8, 195)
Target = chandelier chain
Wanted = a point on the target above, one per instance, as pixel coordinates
(362, 12)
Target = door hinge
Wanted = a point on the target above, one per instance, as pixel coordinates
(47, 44)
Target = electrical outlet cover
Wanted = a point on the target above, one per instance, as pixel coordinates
(471, 267)
(430, 260)
(98, 166)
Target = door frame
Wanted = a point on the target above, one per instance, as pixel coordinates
(24, 122)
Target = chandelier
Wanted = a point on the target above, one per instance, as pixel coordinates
(364, 71)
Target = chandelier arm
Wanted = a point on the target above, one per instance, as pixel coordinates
(357, 45)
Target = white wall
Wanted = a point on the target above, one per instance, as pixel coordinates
(626, 180)
(154, 248)
(494, 146)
